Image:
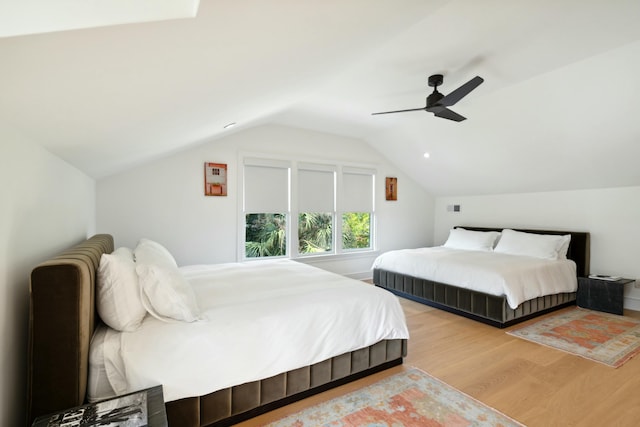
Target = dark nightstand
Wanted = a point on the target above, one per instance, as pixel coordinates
(602, 295)
(140, 408)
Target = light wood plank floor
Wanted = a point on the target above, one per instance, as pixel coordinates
(533, 384)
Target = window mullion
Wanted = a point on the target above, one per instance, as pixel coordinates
(293, 209)
(338, 211)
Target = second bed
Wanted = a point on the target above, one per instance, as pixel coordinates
(496, 283)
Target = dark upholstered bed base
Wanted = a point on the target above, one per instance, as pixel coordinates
(62, 320)
(490, 309)
(230, 406)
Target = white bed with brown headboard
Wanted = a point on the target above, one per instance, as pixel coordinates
(64, 317)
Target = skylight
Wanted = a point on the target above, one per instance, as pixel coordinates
(23, 17)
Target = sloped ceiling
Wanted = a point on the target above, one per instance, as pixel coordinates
(557, 110)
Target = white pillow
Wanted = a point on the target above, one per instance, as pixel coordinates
(151, 252)
(117, 291)
(564, 246)
(459, 238)
(544, 246)
(166, 294)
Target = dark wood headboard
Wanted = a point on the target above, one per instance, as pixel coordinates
(62, 317)
(579, 247)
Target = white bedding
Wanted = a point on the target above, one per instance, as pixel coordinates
(260, 319)
(519, 278)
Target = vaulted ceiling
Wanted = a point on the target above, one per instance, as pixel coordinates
(557, 111)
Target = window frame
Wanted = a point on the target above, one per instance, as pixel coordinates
(364, 171)
(267, 162)
(339, 168)
(319, 167)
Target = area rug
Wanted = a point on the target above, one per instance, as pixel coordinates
(410, 398)
(601, 337)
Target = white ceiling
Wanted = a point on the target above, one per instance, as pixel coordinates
(558, 109)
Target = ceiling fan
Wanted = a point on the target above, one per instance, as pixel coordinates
(437, 103)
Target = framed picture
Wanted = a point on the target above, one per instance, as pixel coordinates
(215, 179)
(391, 188)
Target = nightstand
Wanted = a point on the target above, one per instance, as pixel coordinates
(602, 295)
(143, 408)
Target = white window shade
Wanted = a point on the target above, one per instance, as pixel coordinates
(266, 187)
(316, 189)
(357, 190)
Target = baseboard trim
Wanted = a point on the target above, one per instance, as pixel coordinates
(631, 303)
(364, 275)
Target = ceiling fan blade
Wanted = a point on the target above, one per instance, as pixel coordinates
(400, 111)
(461, 92)
(445, 113)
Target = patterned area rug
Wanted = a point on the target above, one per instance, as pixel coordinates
(410, 398)
(602, 337)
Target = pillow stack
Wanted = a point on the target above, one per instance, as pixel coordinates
(165, 293)
(545, 246)
(146, 279)
(118, 294)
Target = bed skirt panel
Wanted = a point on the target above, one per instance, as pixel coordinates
(490, 309)
(541, 304)
(230, 406)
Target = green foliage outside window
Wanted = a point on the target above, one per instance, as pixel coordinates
(315, 232)
(265, 235)
(356, 230)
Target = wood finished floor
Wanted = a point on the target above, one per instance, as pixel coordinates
(536, 385)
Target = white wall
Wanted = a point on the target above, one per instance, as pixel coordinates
(163, 200)
(612, 216)
(47, 205)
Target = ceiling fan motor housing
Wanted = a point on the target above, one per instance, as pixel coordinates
(434, 98)
(436, 80)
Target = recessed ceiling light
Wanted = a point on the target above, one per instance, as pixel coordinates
(426, 155)
(229, 125)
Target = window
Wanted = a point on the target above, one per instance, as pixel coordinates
(357, 208)
(293, 209)
(266, 207)
(316, 208)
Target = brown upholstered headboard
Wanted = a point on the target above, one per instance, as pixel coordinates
(579, 247)
(61, 322)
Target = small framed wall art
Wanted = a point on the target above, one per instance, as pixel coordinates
(391, 188)
(215, 179)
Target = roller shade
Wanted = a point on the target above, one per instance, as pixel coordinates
(357, 190)
(266, 186)
(316, 188)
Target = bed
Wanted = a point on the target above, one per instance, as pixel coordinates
(490, 308)
(63, 318)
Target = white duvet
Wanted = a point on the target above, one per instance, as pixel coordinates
(519, 278)
(260, 319)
